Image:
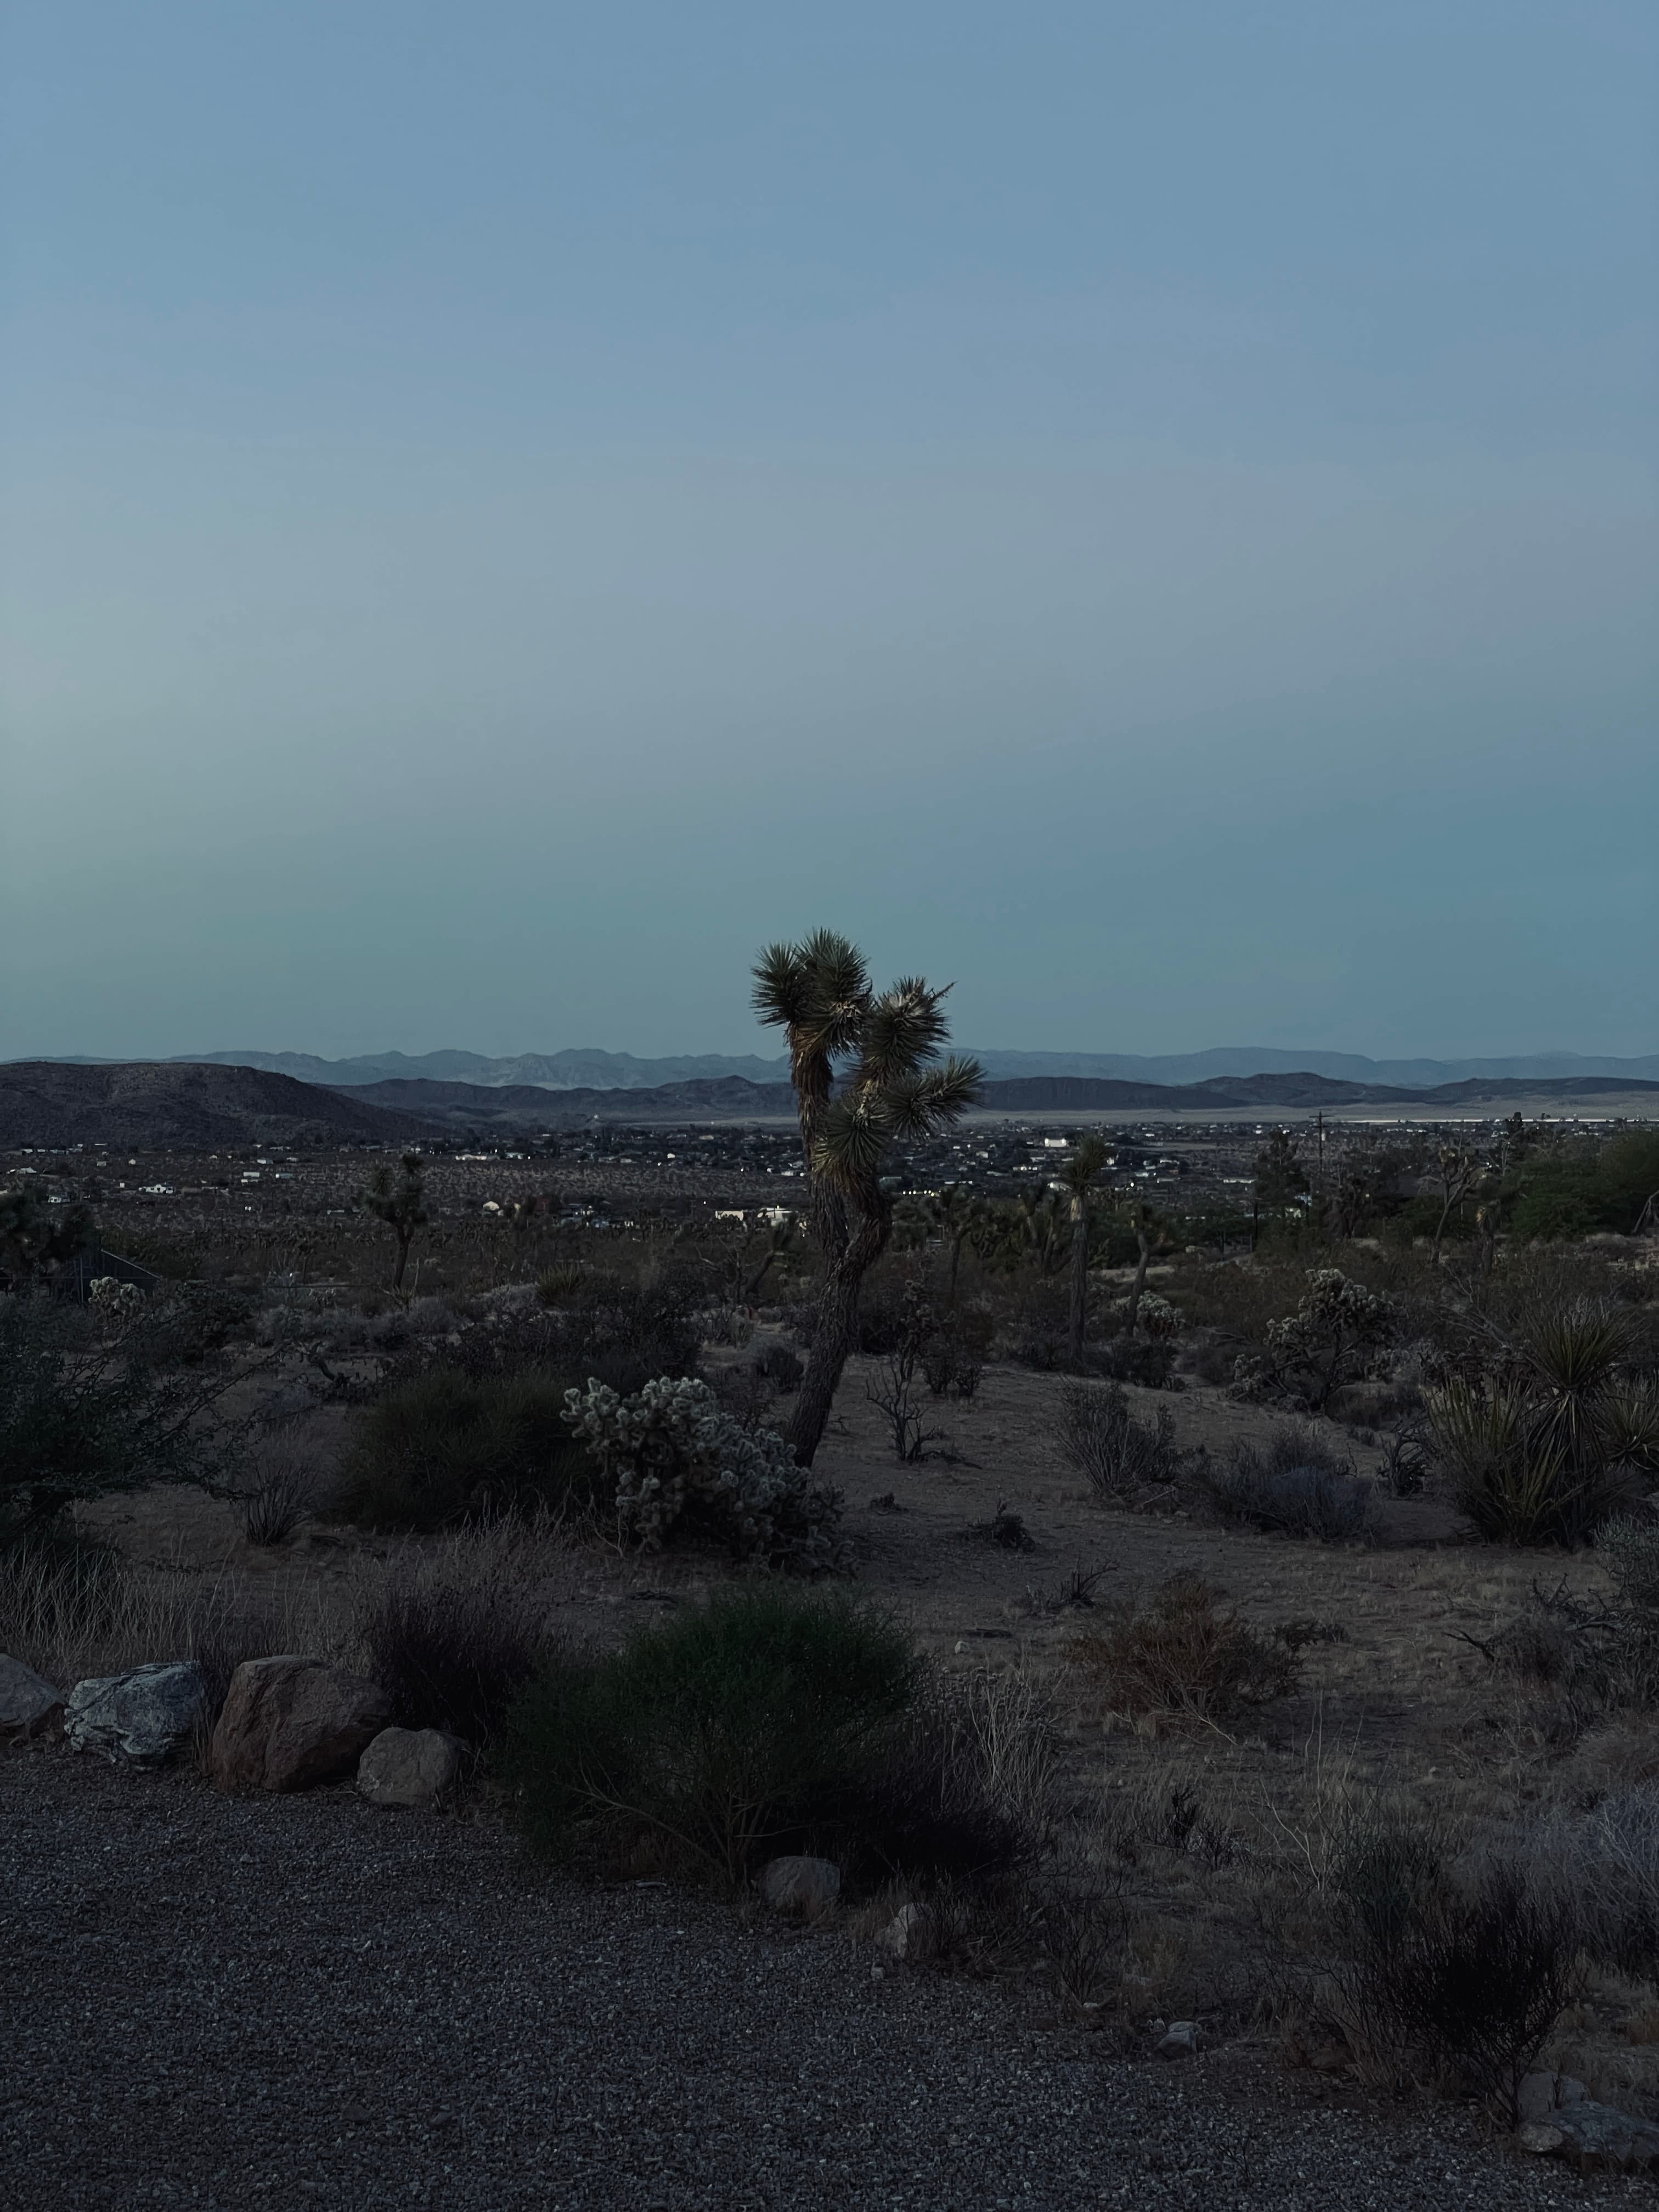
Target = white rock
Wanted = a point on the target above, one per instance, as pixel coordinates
(409, 1767)
(140, 1717)
(905, 1932)
(806, 1888)
(1179, 2039)
(29, 1703)
(1539, 2137)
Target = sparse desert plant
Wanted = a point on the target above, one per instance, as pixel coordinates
(1294, 1484)
(1100, 1437)
(453, 1636)
(279, 1487)
(1600, 1653)
(672, 1462)
(1187, 1658)
(893, 1393)
(1468, 1975)
(726, 1733)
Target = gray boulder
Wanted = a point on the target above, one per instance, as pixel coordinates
(803, 1888)
(1599, 2140)
(139, 1718)
(28, 1704)
(409, 1767)
(1179, 2039)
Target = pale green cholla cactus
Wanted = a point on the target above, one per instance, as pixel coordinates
(671, 1455)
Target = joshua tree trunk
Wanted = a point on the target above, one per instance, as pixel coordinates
(1143, 1238)
(835, 1332)
(1079, 1312)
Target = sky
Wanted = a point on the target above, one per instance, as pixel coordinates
(1148, 512)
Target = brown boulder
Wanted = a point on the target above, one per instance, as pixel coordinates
(291, 1722)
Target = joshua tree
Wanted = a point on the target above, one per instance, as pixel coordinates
(1280, 1177)
(780, 1236)
(818, 992)
(1149, 1236)
(399, 1205)
(953, 1215)
(1457, 1170)
(1087, 1156)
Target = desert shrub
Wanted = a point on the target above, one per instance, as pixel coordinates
(781, 1367)
(1294, 1483)
(86, 1408)
(277, 1483)
(1542, 1438)
(598, 1325)
(442, 1446)
(453, 1638)
(1042, 1349)
(1600, 1654)
(1100, 1437)
(1603, 1866)
(671, 1462)
(1336, 1330)
(1468, 1976)
(1146, 1361)
(1187, 1657)
(740, 1726)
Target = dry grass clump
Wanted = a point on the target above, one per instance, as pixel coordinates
(453, 1632)
(1187, 1659)
(71, 1614)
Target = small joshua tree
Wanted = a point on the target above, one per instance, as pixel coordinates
(886, 1045)
(399, 1202)
(1086, 1159)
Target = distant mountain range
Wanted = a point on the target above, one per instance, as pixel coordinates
(622, 1071)
(197, 1105)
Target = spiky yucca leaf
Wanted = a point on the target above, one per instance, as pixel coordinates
(902, 1030)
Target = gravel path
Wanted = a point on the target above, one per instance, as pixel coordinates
(209, 2002)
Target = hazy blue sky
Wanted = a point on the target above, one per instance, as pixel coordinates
(1149, 510)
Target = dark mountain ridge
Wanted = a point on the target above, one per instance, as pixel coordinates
(183, 1108)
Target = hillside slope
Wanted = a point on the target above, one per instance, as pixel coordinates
(189, 1107)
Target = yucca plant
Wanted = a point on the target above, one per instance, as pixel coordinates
(866, 1074)
(1537, 1449)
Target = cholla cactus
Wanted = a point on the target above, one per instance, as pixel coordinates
(672, 1455)
(1330, 1337)
(1158, 1317)
(114, 1302)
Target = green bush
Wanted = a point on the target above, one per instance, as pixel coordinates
(443, 1445)
(738, 1728)
(89, 1405)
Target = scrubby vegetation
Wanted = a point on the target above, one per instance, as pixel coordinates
(1392, 1801)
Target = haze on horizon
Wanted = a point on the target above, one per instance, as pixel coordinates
(1149, 513)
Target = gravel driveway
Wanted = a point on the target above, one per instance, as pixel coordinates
(205, 2002)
